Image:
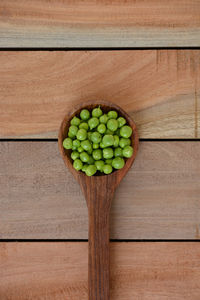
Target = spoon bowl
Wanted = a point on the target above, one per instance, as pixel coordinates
(99, 191)
(106, 106)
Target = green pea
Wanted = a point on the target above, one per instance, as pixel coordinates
(101, 128)
(77, 164)
(102, 145)
(73, 130)
(96, 137)
(112, 114)
(86, 145)
(95, 146)
(74, 155)
(97, 112)
(73, 148)
(93, 122)
(99, 165)
(108, 140)
(107, 169)
(80, 149)
(84, 168)
(124, 142)
(103, 119)
(91, 160)
(121, 121)
(107, 153)
(126, 131)
(84, 157)
(128, 151)
(97, 154)
(90, 151)
(76, 143)
(118, 163)
(109, 161)
(81, 134)
(75, 121)
(118, 152)
(112, 124)
(67, 143)
(71, 136)
(91, 170)
(116, 141)
(85, 114)
(108, 131)
(84, 125)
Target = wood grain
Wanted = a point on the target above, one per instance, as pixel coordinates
(104, 23)
(56, 271)
(158, 199)
(159, 89)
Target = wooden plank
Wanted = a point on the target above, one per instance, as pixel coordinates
(57, 271)
(158, 199)
(104, 23)
(159, 89)
(197, 106)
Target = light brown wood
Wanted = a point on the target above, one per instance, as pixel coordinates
(159, 89)
(159, 199)
(58, 271)
(99, 192)
(104, 23)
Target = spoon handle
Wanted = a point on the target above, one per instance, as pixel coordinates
(99, 201)
(98, 260)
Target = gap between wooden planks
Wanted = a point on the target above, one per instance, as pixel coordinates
(56, 271)
(158, 199)
(160, 89)
(89, 23)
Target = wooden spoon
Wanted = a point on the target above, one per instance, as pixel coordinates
(99, 192)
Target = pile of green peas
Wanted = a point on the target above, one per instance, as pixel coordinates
(100, 142)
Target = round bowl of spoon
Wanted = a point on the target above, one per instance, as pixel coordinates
(99, 191)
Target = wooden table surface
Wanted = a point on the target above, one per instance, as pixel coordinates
(144, 56)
